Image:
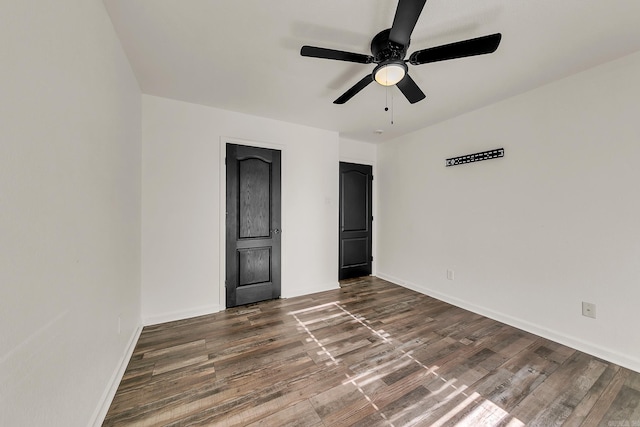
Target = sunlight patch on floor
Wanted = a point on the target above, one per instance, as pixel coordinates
(473, 410)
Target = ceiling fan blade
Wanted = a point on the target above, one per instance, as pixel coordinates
(354, 89)
(320, 52)
(410, 89)
(471, 47)
(404, 22)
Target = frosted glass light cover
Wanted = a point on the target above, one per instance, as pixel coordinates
(389, 75)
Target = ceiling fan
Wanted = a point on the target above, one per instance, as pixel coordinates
(389, 48)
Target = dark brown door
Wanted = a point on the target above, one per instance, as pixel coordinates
(253, 225)
(355, 220)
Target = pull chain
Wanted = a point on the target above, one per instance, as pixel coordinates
(392, 107)
(386, 102)
(386, 99)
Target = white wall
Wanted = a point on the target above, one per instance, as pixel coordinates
(532, 235)
(182, 167)
(353, 151)
(69, 211)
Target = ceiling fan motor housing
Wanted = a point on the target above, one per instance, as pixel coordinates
(385, 50)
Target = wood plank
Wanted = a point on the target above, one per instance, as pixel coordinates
(585, 407)
(552, 402)
(299, 415)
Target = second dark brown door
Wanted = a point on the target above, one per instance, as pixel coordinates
(355, 220)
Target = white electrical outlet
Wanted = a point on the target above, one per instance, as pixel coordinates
(450, 274)
(589, 309)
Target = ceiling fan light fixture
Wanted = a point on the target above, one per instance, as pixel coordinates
(390, 74)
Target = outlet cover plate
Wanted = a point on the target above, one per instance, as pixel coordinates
(589, 309)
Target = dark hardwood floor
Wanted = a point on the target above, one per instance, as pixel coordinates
(369, 354)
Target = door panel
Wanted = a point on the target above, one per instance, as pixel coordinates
(354, 186)
(254, 266)
(255, 196)
(252, 225)
(354, 251)
(355, 220)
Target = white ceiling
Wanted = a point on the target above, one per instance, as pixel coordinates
(244, 55)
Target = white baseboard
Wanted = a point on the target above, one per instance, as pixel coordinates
(107, 397)
(210, 309)
(314, 290)
(624, 360)
(180, 315)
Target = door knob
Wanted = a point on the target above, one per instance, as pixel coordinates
(275, 231)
